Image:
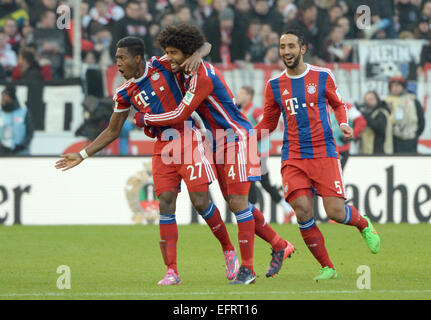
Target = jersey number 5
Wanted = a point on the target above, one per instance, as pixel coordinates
(338, 187)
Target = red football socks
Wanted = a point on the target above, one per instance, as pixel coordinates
(246, 227)
(213, 219)
(169, 238)
(315, 242)
(265, 231)
(354, 218)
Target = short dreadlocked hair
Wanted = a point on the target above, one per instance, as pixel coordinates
(184, 37)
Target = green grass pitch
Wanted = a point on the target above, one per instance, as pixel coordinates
(124, 262)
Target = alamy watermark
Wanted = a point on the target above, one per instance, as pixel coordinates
(364, 280)
(64, 280)
(363, 17)
(63, 20)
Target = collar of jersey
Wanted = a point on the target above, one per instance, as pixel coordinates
(147, 65)
(300, 75)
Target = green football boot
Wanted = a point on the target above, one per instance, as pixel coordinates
(371, 237)
(326, 273)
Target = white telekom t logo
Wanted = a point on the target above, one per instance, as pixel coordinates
(292, 105)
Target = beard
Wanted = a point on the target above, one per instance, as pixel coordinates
(295, 62)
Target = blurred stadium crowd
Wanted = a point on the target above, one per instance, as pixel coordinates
(33, 47)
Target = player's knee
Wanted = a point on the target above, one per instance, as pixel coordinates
(335, 209)
(238, 203)
(337, 214)
(303, 210)
(200, 203)
(167, 201)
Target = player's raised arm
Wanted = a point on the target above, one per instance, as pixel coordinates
(112, 132)
(271, 113)
(192, 63)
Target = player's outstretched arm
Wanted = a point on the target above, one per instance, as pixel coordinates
(112, 132)
(68, 161)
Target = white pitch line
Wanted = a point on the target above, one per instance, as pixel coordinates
(154, 294)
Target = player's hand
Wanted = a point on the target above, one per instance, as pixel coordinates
(68, 161)
(138, 119)
(347, 131)
(192, 63)
(150, 131)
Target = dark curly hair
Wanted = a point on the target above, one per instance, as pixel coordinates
(184, 37)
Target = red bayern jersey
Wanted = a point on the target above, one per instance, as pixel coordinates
(208, 94)
(157, 91)
(304, 102)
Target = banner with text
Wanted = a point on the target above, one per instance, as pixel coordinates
(119, 190)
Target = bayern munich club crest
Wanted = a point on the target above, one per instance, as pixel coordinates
(311, 88)
(155, 76)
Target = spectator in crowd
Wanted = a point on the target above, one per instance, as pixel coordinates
(37, 7)
(8, 59)
(16, 126)
(426, 9)
(422, 29)
(167, 19)
(268, 35)
(344, 23)
(132, 24)
(102, 40)
(202, 11)
(323, 7)
(219, 34)
(377, 136)
(327, 18)
(244, 101)
(11, 9)
(115, 11)
(51, 42)
(268, 15)
(407, 116)
(333, 49)
(289, 12)
(28, 68)
(27, 32)
(11, 29)
(145, 12)
(255, 48)
(357, 122)
(183, 14)
(30, 65)
(242, 18)
(100, 14)
(211, 29)
(272, 55)
(406, 15)
(306, 22)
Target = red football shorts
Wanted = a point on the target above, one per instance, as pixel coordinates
(237, 164)
(301, 176)
(184, 159)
